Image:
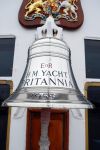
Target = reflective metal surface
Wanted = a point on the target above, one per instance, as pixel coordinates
(48, 80)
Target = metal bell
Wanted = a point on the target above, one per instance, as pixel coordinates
(48, 80)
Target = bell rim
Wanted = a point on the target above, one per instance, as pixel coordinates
(49, 105)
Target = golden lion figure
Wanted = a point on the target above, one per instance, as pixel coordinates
(37, 6)
(34, 6)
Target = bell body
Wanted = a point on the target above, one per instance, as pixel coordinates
(48, 80)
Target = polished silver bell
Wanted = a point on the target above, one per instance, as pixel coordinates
(48, 80)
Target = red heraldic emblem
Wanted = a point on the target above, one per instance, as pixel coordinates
(66, 13)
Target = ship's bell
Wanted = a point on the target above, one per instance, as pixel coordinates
(48, 80)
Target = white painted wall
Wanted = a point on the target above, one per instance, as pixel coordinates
(24, 37)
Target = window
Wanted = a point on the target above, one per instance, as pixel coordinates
(5, 91)
(93, 115)
(7, 44)
(94, 95)
(92, 58)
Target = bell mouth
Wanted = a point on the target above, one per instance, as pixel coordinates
(49, 105)
(62, 100)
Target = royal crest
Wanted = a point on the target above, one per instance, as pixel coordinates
(66, 13)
